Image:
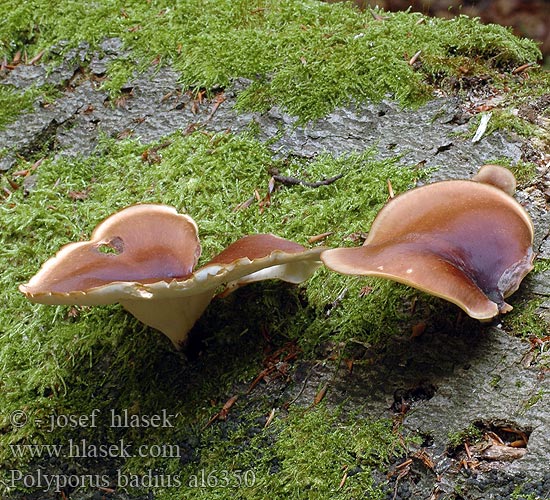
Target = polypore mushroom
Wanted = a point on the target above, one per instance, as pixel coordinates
(143, 258)
(468, 242)
(498, 176)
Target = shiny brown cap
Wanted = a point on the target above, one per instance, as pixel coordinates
(143, 257)
(467, 242)
(497, 176)
(140, 244)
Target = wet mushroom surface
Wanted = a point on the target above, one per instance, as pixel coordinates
(61, 361)
(468, 242)
(143, 257)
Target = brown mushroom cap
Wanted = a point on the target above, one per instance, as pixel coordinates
(467, 242)
(143, 257)
(272, 257)
(142, 243)
(497, 176)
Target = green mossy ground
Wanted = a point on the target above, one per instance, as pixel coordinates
(305, 56)
(61, 360)
(13, 103)
(308, 58)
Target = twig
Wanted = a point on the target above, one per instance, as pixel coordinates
(522, 68)
(293, 181)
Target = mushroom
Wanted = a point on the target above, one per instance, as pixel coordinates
(497, 176)
(143, 258)
(466, 241)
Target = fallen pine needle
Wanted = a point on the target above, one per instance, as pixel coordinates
(404, 464)
(414, 58)
(522, 68)
(36, 58)
(319, 237)
(343, 481)
(270, 418)
(320, 395)
(222, 414)
(390, 190)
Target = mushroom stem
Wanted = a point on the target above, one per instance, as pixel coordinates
(173, 317)
(143, 258)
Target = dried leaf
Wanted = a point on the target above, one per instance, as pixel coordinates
(124, 134)
(79, 195)
(418, 329)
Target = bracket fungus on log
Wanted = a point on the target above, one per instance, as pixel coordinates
(466, 241)
(143, 257)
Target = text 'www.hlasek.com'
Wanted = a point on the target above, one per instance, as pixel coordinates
(82, 448)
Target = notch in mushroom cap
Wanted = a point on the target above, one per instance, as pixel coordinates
(140, 244)
(143, 258)
(467, 242)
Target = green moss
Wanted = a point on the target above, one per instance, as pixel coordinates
(524, 321)
(122, 71)
(315, 449)
(535, 398)
(526, 88)
(524, 172)
(518, 495)
(304, 455)
(306, 56)
(13, 102)
(470, 435)
(208, 176)
(541, 265)
(63, 360)
(504, 119)
(520, 98)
